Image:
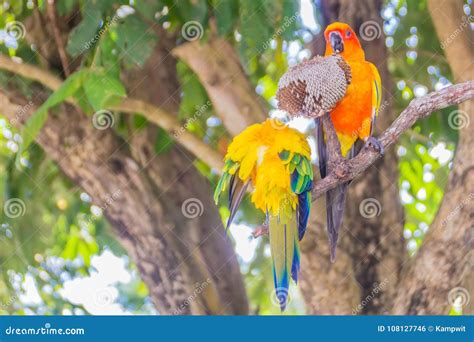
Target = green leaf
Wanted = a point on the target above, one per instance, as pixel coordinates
(194, 101)
(34, 124)
(163, 142)
(256, 26)
(101, 87)
(139, 122)
(17, 6)
(226, 13)
(149, 8)
(65, 6)
(135, 40)
(83, 35)
(70, 250)
(288, 22)
(107, 54)
(188, 10)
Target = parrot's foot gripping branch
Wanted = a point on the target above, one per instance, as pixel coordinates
(375, 144)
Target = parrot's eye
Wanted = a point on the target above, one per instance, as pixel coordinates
(348, 34)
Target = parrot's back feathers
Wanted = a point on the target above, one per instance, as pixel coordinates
(313, 86)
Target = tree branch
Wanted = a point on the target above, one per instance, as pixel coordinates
(51, 12)
(232, 94)
(345, 171)
(417, 109)
(154, 114)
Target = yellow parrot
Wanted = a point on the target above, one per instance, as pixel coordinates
(275, 160)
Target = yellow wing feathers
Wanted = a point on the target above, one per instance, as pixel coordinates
(376, 89)
(257, 150)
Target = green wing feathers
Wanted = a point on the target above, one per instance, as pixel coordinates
(230, 169)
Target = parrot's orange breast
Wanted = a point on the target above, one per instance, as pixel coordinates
(356, 106)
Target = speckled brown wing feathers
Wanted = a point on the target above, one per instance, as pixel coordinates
(313, 86)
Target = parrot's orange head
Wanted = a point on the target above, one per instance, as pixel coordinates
(341, 39)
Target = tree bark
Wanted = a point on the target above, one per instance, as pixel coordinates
(442, 269)
(202, 240)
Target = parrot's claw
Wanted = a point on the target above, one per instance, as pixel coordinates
(260, 231)
(375, 144)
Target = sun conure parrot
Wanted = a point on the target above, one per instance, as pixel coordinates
(353, 116)
(275, 160)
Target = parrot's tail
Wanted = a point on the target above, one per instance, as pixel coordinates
(335, 198)
(283, 231)
(335, 202)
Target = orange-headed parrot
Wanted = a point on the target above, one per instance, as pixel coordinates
(353, 116)
(275, 160)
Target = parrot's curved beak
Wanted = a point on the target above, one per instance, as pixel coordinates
(336, 41)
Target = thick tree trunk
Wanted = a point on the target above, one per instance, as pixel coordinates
(442, 271)
(201, 241)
